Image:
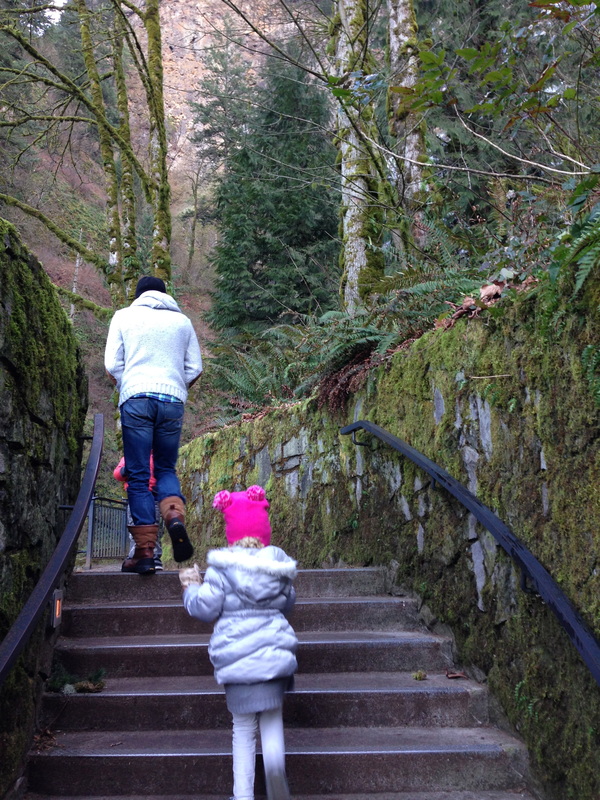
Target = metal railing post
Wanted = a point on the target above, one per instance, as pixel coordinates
(90, 536)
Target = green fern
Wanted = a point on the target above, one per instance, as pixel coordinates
(585, 250)
(292, 360)
(590, 358)
(587, 262)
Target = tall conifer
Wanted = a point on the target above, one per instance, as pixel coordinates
(277, 250)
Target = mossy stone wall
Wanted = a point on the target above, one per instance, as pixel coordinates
(506, 410)
(42, 413)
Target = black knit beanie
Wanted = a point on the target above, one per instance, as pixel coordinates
(149, 284)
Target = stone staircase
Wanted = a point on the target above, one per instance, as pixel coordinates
(358, 726)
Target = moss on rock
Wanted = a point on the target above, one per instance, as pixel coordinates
(44, 400)
(503, 405)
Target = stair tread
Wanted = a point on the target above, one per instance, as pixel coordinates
(110, 569)
(375, 599)
(107, 581)
(306, 637)
(334, 683)
(380, 735)
(398, 740)
(516, 794)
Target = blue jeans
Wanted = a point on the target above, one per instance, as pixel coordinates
(150, 426)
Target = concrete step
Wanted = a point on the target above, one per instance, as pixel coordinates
(373, 699)
(97, 586)
(358, 725)
(154, 616)
(319, 761)
(516, 794)
(184, 655)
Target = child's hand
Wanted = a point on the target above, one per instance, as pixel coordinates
(190, 575)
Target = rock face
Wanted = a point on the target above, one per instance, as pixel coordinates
(505, 408)
(189, 33)
(42, 413)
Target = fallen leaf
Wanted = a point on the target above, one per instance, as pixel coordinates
(453, 675)
(491, 292)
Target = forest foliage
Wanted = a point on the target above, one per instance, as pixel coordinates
(505, 101)
(368, 168)
(277, 205)
(66, 75)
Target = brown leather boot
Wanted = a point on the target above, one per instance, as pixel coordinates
(172, 510)
(142, 562)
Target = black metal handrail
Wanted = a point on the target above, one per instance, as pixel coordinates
(531, 569)
(24, 625)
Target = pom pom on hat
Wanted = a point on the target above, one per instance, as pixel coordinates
(246, 514)
(222, 500)
(256, 493)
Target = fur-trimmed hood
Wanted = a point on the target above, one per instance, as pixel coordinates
(271, 560)
(256, 576)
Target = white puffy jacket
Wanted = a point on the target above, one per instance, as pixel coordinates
(247, 591)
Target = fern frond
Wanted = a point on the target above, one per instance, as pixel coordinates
(590, 358)
(587, 262)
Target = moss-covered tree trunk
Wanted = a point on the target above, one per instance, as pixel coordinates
(161, 241)
(406, 127)
(362, 264)
(50, 79)
(130, 260)
(115, 255)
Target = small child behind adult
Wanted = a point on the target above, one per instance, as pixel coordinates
(247, 592)
(120, 474)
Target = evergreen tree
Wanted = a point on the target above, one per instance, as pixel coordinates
(221, 112)
(278, 203)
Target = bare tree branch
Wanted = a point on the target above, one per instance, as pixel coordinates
(60, 233)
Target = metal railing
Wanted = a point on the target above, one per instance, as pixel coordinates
(108, 537)
(532, 572)
(18, 636)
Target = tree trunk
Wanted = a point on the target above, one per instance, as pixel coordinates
(161, 257)
(195, 180)
(407, 128)
(78, 261)
(362, 263)
(131, 262)
(113, 275)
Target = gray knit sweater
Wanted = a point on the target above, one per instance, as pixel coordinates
(152, 347)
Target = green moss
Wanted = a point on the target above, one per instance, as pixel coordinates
(515, 396)
(38, 340)
(44, 400)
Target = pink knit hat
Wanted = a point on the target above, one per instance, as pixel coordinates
(246, 514)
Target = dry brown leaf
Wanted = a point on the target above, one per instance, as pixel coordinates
(452, 675)
(491, 291)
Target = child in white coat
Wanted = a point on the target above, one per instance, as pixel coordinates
(247, 591)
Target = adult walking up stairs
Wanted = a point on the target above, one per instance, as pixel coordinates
(359, 724)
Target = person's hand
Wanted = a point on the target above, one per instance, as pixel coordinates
(189, 576)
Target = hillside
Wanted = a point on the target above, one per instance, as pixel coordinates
(73, 189)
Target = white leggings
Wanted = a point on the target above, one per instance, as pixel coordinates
(273, 753)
